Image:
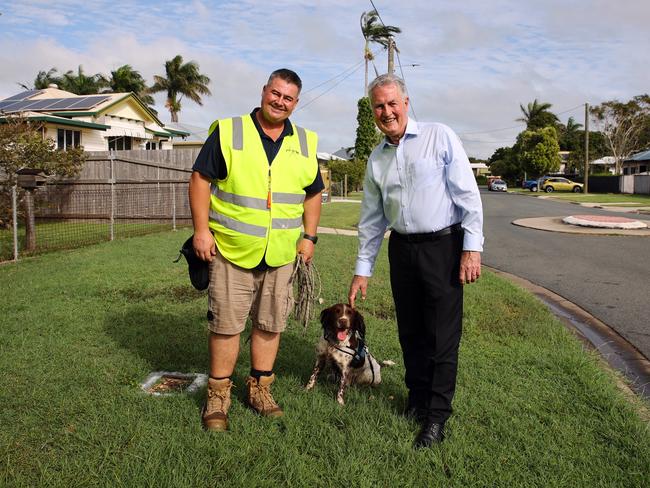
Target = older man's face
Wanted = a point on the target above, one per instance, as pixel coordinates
(390, 110)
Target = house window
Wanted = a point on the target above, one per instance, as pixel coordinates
(121, 143)
(643, 168)
(66, 138)
(151, 146)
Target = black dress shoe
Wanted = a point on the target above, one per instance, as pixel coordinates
(430, 434)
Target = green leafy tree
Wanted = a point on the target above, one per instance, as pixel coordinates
(537, 115)
(504, 163)
(367, 134)
(22, 145)
(125, 79)
(626, 126)
(374, 31)
(538, 151)
(182, 79)
(80, 83)
(43, 80)
(597, 149)
(353, 169)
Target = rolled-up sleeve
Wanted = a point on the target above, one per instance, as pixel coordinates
(464, 193)
(372, 225)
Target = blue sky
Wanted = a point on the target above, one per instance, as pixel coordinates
(476, 60)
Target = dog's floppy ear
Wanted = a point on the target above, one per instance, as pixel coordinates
(359, 324)
(326, 316)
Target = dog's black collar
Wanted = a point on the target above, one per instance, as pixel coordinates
(358, 354)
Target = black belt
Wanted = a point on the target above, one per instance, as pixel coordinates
(428, 236)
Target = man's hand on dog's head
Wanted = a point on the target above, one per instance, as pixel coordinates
(358, 283)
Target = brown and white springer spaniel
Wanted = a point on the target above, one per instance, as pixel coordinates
(342, 347)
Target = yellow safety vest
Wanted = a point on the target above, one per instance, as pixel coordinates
(258, 208)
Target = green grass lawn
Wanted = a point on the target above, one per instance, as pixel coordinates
(79, 330)
(610, 198)
(340, 215)
(635, 200)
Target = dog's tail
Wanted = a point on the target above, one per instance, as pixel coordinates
(387, 362)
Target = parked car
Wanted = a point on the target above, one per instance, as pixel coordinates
(498, 185)
(529, 185)
(561, 184)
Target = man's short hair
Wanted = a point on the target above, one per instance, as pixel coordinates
(387, 79)
(288, 76)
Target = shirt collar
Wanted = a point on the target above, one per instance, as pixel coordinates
(287, 131)
(412, 129)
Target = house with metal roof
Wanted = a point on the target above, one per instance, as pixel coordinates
(101, 122)
(637, 164)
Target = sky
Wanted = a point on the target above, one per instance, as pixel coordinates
(466, 64)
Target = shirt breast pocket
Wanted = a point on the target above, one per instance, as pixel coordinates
(425, 172)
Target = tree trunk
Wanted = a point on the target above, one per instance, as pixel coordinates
(30, 223)
(174, 116)
(391, 54)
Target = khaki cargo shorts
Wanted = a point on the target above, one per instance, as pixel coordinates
(236, 293)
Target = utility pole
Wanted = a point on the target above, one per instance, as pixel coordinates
(391, 55)
(586, 187)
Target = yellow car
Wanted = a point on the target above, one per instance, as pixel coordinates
(561, 184)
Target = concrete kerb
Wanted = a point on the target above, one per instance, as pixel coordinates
(619, 354)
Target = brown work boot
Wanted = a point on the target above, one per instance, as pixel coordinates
(260, 398)
(215, 410)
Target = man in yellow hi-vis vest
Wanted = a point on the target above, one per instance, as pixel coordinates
(254, 184)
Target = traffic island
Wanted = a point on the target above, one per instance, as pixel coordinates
(604, 222)
(558, 224)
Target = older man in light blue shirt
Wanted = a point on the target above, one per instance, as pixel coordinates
(419, 184)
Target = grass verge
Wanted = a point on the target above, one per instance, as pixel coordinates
(341, 215)
(80, 329)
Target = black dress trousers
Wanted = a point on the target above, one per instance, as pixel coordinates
(429, 306)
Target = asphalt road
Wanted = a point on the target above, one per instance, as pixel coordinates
(609, 276)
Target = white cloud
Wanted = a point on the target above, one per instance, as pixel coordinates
(477, 60)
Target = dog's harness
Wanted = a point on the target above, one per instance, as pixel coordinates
(358, 355)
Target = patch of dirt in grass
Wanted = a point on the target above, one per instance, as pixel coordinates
(170, 384)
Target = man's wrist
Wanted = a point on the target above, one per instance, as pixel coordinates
(310, 237)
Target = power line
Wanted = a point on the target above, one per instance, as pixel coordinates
(326, 91)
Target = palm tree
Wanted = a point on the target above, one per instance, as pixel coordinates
(126, 79)
(182, 79)
(81, 84)
(537, 115)
(43, 80)
(570, 135)
(374, 31)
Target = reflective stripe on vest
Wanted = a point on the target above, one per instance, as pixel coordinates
(258, 203)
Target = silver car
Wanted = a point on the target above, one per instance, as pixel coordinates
(499, 185)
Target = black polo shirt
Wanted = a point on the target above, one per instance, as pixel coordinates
(211, 163)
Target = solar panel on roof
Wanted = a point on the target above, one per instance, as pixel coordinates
(87, 102)
(23, 95)
(15, 106)
(59, 103)
(40, 104)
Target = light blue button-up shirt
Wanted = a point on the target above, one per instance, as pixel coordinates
(423, 184)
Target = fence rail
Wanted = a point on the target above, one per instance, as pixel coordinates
(73, 215)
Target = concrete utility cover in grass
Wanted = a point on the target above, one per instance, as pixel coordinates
(604, 221)
(161, 383)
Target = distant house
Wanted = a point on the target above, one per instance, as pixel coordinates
(118, 121)
(194, 139)
(637, 164)
(606, 164)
